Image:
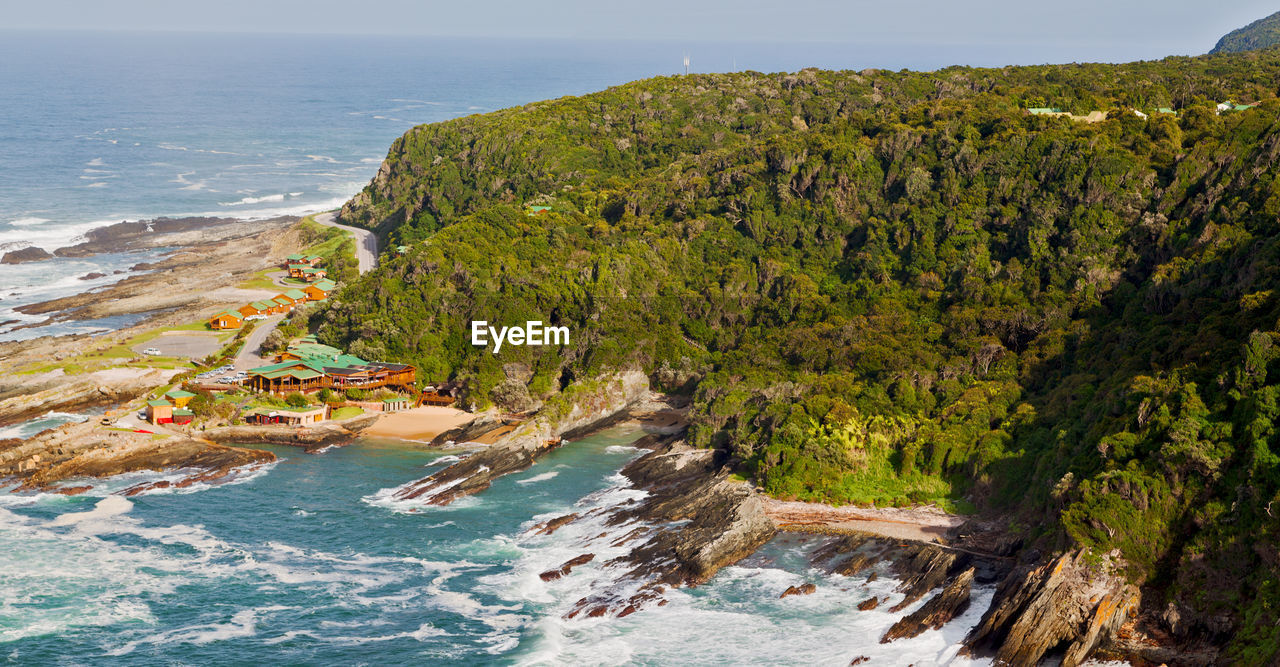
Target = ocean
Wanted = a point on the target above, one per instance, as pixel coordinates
(306, 561)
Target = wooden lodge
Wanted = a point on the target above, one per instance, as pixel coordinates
(227, 319)
(311, 367)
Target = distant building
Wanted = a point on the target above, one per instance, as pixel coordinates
(1166, 111)
(183, 416)
(310, 367)
(395, 404)
(320, 289)
(286, 416)
(179, 397)
(303, 258)
(1046, 111)
(159, 411)
(536, 210)
(227, 319)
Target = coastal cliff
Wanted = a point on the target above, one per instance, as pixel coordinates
(899, 288)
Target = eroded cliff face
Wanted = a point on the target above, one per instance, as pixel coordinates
(1073, 603)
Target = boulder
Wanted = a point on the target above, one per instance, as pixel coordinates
(935, 613)
(29, 254)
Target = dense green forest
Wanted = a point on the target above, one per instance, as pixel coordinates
(894, 288)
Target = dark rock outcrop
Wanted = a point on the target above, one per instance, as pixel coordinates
(568, 566)
(694, 521)
(1065, 601)
(869, 604)
(935, 613)
(24, 255)
(802, 589)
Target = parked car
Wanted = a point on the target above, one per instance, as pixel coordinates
(152, 351)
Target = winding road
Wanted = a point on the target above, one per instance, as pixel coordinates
(366, 241)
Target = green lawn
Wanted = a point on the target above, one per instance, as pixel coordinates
(346, 412)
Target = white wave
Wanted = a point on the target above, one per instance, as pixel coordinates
(253, 200)
(321, 158)
(97, 184)
(28, 222)
(371, 160)
(107, 508)
(539, 478)
(95, 162)
(622, 449)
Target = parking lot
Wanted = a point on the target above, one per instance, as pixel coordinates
(189, 346)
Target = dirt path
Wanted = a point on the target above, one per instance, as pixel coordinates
(920, 524)
(366, 242)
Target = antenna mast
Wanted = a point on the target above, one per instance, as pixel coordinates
(686, 64)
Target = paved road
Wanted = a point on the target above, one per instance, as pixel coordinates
(366, 242)
(248, 356)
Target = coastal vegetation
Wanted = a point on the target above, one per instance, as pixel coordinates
(891, 288)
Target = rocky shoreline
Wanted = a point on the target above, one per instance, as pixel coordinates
(78, 451)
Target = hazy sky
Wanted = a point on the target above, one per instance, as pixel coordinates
(1107, 29)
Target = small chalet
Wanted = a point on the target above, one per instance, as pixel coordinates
(179, 397)
(320, 289)
(249, 310)
(183, 416)
(159, 411)
(283, 303)
(303, 258)
(227, 319)
(312, 274)
(266, 307)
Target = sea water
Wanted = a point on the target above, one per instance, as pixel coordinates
(302, 561)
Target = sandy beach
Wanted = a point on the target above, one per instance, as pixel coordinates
(421, 424)
(921, 524)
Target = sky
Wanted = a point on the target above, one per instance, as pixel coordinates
(1099, 30)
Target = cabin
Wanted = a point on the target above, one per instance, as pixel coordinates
(395, 404)
(227, 319)
(179, 398)
(286, 416)
(159, 411)
(303, 258)
(320, 290)
(249, 310)
(283, 304)
(536, 210)
(1046, 111)
(437, 395)
(267, 307)
(1166, 111)
(183, 416)
(295, 270)
(312, 274)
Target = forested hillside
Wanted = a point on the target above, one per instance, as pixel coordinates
(1260, 34)
(893, 288)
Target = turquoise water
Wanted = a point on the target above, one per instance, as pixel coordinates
(305, 562)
